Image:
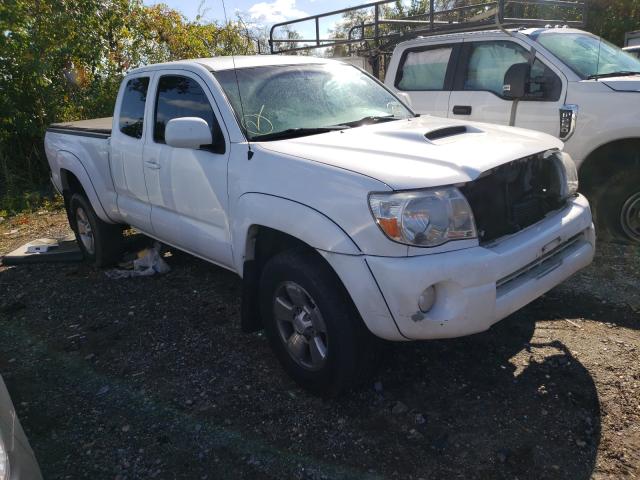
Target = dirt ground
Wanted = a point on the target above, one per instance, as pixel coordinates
(152, 378)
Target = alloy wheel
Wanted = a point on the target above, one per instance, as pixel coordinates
(301, 326)
(85, 232)
(630, 217)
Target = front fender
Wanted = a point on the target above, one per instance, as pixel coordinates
(321, 233)
(293, 218)
(68, 161)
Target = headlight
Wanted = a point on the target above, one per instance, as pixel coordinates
(425, 218)
(4, 462)
(569, 173)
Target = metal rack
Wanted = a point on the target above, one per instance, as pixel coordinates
(376, 37)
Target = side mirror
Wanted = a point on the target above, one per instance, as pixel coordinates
(187, 132)
(404, 96)
(515, 81)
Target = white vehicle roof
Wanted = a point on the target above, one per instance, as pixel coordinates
(240, 61)
(478, 34)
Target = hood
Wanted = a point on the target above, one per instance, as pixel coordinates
(419, 152)
(623, 84)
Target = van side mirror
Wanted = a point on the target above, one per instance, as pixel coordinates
(404, 96)
(516, 80)
(188, 132)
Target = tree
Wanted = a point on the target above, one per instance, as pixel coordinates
(63, 60)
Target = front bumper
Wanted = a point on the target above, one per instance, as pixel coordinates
(477, 287)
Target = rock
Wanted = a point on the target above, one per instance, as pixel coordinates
(414, 435)
(126, 428)
(399, 408)
(581, 443)
(103, 390)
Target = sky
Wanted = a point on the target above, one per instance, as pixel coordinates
(263, 12)
(266, 11)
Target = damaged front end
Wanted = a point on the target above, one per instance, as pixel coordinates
(511, 197)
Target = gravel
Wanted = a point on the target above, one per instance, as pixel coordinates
(152, 378)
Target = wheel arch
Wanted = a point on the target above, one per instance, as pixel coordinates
(597, 166)
(269, 224)
(75, 179)
(263, 243)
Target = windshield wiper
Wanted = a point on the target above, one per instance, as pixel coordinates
(621, 73)
(296, 132)
(372, 119)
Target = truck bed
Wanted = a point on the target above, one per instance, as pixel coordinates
(95, 127)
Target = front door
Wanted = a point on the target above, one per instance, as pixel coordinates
(188, 187)
(478, 87)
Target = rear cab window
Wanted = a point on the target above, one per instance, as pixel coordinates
(131, 119)
(424, 69)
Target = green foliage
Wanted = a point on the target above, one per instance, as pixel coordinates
(611, 19)
(63, 60)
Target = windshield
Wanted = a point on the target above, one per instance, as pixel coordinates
(588, 55)
(306, 98)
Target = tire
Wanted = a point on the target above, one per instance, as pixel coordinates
(299, 287)
(618, 207)
(100, 242)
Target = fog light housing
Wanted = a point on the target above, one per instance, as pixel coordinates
(426, 299)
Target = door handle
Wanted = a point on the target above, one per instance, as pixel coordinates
(462, 110)
(151, 164)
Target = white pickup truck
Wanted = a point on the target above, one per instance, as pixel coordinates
(347, 216)
(577, 87)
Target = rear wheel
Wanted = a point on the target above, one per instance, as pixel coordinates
(100, 242)
(313, 327)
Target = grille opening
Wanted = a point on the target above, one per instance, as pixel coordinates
(445, 132)
(514, 196)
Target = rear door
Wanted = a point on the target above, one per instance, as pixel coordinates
(188, 187)
(425, 73)
(478, 86)
(127, 147)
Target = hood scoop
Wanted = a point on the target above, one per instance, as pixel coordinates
(445, 132)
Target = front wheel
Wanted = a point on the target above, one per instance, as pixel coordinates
(99, 241)
(314, 329)
(618, 208)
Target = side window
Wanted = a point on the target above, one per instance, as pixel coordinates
(424, 69)
(489, 61)
(132, 108)
(544, 84)
(181, 97)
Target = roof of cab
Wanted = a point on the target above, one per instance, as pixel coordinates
(240, 61)
(477, 34)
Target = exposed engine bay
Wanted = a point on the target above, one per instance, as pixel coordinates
(513, 196)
